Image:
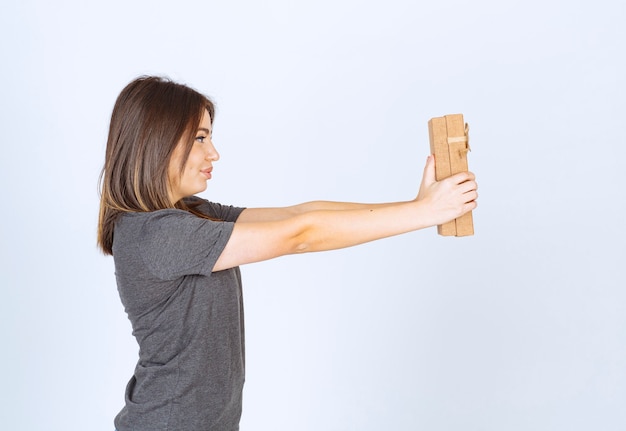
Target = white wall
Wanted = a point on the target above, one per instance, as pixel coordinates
(521, 327)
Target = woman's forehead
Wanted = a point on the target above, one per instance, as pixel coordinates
(205, 121)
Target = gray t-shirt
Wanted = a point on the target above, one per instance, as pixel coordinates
(187, 320)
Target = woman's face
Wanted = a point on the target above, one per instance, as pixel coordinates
(199, 163)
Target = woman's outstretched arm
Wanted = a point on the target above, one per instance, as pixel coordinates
(317, 226)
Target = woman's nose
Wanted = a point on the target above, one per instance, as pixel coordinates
(212, 153)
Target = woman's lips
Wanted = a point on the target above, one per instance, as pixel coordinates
(207, 173)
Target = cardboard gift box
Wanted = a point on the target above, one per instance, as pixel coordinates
(449, 142)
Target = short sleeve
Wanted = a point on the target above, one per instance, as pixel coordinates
(175, 243)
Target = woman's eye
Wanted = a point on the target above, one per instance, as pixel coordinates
(200, 139)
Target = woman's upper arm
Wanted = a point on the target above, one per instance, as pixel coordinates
(257, 241)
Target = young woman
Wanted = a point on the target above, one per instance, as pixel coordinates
(177, 256)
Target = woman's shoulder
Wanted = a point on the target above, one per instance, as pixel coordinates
(215, 210)
(155, 223)
(143, 217)
(162, 229)
(195, 200)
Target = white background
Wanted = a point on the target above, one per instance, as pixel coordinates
(521, 327)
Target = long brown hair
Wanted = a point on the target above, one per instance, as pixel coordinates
(149, 119)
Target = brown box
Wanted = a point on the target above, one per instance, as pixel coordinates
(449, 142)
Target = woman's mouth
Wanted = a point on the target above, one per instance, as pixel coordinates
(207, 173)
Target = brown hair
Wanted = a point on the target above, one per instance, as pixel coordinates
(149, 119)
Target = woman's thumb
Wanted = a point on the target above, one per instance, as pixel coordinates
(428, 178)
(429, 171)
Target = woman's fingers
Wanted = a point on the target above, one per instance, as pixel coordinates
(462, 177)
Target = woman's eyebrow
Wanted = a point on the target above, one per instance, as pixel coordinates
(202, 129)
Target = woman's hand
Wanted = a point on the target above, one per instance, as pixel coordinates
(449, 198)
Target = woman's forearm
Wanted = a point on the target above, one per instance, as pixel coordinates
(282, 213)
(339, 226)
(340, 206)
